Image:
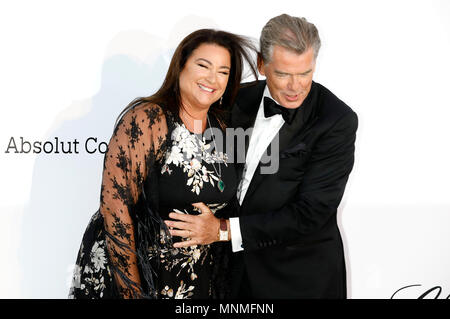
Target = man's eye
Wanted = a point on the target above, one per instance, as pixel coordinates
(202, 65)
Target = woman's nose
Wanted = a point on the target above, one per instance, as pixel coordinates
(211, 77)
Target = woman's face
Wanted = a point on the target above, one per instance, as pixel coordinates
(204, 77)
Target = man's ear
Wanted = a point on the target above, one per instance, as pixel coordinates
(260, 64)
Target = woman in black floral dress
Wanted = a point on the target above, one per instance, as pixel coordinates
(158, 161)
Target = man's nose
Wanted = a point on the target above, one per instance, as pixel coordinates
(295, 83)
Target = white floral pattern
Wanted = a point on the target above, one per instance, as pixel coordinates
(182, 259)
(95, 272)
(182, 292)
(98, 256)
(189, 152)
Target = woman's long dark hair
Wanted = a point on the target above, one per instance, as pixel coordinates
(240, 49)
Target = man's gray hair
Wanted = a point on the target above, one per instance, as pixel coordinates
(293, 33)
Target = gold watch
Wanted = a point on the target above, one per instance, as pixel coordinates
(223, 230)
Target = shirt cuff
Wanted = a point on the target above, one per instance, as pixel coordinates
(236, 237)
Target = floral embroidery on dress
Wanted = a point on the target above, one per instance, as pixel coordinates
(182, 291)
(92, 276)
(182, 259)
(127, 230)
(98, 255)
(189, 152)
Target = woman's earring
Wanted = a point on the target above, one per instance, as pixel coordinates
(221, 98)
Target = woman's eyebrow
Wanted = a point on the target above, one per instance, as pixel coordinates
(202, 59)
(205, 60)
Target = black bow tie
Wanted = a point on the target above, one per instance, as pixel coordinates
(271, 108)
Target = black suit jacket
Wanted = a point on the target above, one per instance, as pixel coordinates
(292, 245)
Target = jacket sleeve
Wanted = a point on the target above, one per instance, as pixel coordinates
(319, 194)
(126, 164)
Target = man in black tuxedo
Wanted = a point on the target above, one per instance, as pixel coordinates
(286, 240)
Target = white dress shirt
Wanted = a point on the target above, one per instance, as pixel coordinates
(263, 133)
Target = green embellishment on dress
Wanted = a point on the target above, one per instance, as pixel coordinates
(221, 185)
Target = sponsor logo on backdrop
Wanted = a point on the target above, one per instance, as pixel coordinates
(420, 292)
(90, 145)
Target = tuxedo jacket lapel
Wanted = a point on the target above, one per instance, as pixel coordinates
(284, 136)
(244, 114)
(305, 118)
(247, 104)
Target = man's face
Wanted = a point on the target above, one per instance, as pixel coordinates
(289, 75)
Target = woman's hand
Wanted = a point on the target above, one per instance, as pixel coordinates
(201, 229)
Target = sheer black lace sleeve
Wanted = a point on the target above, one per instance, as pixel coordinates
(133, 149)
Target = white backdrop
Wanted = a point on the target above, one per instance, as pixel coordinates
(67, 69)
